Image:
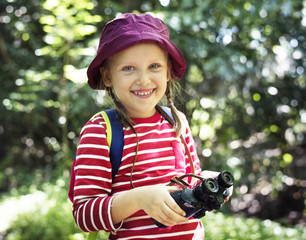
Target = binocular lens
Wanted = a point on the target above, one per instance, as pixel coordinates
(210, 186)
(225, 179)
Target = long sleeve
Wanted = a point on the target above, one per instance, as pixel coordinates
(92, 200)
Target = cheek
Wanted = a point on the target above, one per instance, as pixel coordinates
(120, 88)
(165, 87)
(163, 79)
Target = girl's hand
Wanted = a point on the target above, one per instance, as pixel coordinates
(157, 202)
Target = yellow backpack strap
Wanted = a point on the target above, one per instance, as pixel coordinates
(108, 126)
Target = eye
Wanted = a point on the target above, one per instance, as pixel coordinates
(128, 68)
(154, 66)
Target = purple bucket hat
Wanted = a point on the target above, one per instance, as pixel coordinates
(127, 30)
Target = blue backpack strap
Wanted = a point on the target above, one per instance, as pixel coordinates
(166, 113)
(116, 145)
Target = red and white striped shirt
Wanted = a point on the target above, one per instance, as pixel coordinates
(161, 156)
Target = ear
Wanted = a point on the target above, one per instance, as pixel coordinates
(105, 77)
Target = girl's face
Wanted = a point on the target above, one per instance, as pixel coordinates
(138, 76)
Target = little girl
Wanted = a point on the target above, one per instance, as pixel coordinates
(137, 65)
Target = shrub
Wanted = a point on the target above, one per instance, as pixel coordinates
(50, 219)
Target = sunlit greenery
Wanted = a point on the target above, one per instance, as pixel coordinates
(244, 93)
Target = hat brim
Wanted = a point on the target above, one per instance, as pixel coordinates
(127, 40)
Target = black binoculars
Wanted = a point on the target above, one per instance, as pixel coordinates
(207, 196)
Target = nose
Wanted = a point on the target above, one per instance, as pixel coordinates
(143, 78)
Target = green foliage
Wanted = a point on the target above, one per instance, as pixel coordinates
(45, 48)
(219, 226)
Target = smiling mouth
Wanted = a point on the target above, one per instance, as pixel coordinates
(143, 93)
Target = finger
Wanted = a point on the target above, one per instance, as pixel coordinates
(169, 220)
(173, 206)
(165, 221)
(173, 213)
(171, 202)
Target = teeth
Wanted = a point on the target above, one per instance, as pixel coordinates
(143, 93)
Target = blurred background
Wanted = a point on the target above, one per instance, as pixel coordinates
(244, 93)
